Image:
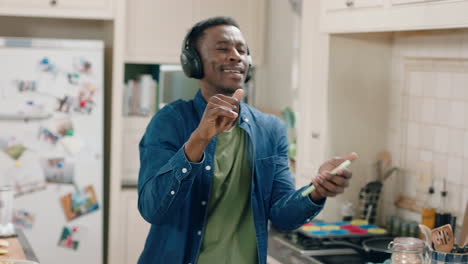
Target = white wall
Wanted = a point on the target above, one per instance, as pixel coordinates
(274, 77)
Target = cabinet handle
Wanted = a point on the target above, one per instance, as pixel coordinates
(315, 135)
(53, 2)
(349, 3)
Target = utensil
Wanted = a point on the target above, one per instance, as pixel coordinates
(427, 235)
(463, 239)
(443, 238)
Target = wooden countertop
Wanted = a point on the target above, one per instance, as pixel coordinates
(19, 248)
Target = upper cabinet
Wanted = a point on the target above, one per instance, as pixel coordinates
(86, 9)
(156, 28)
(343, 16)
(150, 39)
(250, 14)
(344, 4)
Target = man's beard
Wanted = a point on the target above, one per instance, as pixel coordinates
(226, 90)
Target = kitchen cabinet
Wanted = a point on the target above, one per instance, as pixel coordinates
(348, 16)
(133, 129)
(134, 227)
(156, 28)
(87, 9)
(250, 14)
(397, 2)
(162, 43)
(344, 4)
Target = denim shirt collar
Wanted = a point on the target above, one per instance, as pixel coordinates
(200, 105)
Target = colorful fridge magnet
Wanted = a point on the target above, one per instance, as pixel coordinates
(45, 65)
(23, 219)
(55, 129)
(58, 170)
(72, 236)
(15, 151)
(73, 78)
(79, 203)
(26, 86)
(82, 65)
(27, 174)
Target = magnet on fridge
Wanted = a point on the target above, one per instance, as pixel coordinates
(72, 144)
(23, 219)
(72, 236)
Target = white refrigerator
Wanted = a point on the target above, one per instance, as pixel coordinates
(51, 144)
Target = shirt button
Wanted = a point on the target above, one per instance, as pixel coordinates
(203, 203)
(172, 192)
(246, 119)
(184, 170)
(308, 220)
(208, 167)
(199, 233)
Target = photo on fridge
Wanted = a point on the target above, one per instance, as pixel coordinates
(58, 170)
(79, 203)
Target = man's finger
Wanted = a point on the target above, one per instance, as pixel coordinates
(351, 156)
(238, 94)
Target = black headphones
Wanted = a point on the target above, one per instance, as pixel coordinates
(192, 63)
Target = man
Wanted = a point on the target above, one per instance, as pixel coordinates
(215, 170)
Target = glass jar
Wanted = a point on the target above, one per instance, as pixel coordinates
(6, 211)
(407, 250)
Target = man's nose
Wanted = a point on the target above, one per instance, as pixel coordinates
(234, 55)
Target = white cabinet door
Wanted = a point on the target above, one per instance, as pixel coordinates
(343, 4)
(80, 4)
(25, 3)
(250, 14)
(156, 28)
(135, 228)
(398, 2)
(133, 129)
(93, 9)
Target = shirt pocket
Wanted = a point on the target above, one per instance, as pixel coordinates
(266, 168)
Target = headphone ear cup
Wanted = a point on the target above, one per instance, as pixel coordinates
(191, 63)
(250, 71)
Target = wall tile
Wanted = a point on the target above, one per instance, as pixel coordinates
(415, 108)
(457, 114)
(426, 137)
(459, 85)
(442, 112)
(416, 84)
(443, 84)
(428, 110)
(455, 170)
(425, 156)
(456, 142)
(413, 134)
(440, 165)
(429, 86)
(441, 139)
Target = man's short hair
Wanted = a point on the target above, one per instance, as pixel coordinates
(196, 33)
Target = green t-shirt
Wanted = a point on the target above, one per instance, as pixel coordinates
(230, 233)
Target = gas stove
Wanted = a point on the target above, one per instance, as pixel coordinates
(296, 248)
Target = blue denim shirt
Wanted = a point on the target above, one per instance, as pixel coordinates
(173, 192)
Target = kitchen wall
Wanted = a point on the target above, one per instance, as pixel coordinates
(428, 118)
(405, 92)
(273, 90)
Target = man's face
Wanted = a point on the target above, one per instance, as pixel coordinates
(224, 55)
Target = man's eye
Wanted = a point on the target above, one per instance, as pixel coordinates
(222, 49)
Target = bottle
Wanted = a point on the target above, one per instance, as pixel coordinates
(428, 212)
(443, 217)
